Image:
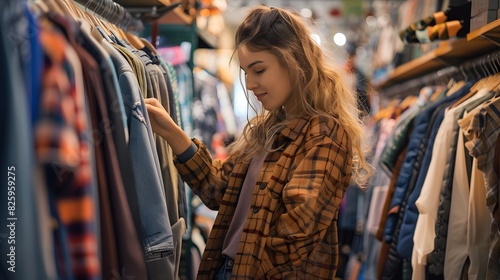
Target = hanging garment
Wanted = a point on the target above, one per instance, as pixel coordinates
(17, 152)
(481, 134)
(428, 200)
(160, 249)
(409, 173)
(176, 191)
(406, 183)
(398, 138)
(85, 185)
(61, 146)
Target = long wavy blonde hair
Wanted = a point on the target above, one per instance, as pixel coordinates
(319, 87)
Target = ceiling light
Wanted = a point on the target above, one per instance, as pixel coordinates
(339, 39)
(307, 13)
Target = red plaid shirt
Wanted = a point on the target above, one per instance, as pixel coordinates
(62, 148)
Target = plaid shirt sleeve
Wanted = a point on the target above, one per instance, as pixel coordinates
(207, 177)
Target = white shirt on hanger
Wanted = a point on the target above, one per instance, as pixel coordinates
(428, 201)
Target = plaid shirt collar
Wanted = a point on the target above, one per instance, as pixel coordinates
(292, 130)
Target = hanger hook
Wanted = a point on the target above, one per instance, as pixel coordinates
(486, 65)
(475, 65)
(491, 62)
(98, 8)
(121, 16)
(87, 5)
(495, 61)
(462, 70)
(112, 13)
(481, 67)
(97, 5)
(106, 12)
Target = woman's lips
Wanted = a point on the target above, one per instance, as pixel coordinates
(260, 96)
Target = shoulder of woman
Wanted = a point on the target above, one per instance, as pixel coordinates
(320, 127)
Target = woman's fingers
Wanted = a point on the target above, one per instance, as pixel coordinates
(153, 109)
(153, 101)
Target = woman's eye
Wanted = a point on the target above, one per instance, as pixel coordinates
(260, 71)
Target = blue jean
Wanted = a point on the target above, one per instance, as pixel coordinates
(225, 270)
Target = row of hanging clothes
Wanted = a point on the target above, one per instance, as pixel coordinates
(92, 192)
(206, 111)
(432, 210)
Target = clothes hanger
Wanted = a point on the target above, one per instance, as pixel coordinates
(491, 78)
(40, 6)
(494, 81)
(149, 46)
(70, 9)
(472, 91)
(490, 81)
(104, 19)
(457, 85)
(105, 27)
(115, 30)
(97, 13)
(76, 11)
(408, 101)
(134, 41)
(89, 18)
(94, 21)
(53, 5)
(83, 15)
(119, 33)
(440, 91)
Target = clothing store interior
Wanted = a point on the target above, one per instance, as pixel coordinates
(426, 72)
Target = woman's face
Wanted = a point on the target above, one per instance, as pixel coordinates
(266, 78)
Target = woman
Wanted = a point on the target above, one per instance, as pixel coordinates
(279, 191)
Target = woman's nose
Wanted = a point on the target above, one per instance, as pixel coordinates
(250, 83)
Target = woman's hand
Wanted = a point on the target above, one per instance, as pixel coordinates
(164, 125)
(161, 122)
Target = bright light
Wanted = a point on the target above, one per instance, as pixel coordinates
(339, 39)
(307, 13)
(316, 38)
(371, 21)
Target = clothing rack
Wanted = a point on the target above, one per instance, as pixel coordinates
(481, 67)
(113, 13)
(471, 69)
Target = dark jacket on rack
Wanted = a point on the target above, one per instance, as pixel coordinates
(399, 137)
(411, 165)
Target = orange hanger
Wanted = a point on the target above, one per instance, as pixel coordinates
(135, 41)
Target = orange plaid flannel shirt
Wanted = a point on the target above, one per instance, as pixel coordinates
(291, 228)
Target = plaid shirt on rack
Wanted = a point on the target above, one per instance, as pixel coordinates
(62, 148)
(482, 130)
(291, 228)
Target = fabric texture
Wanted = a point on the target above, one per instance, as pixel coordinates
(291, 228)
(482, 133)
